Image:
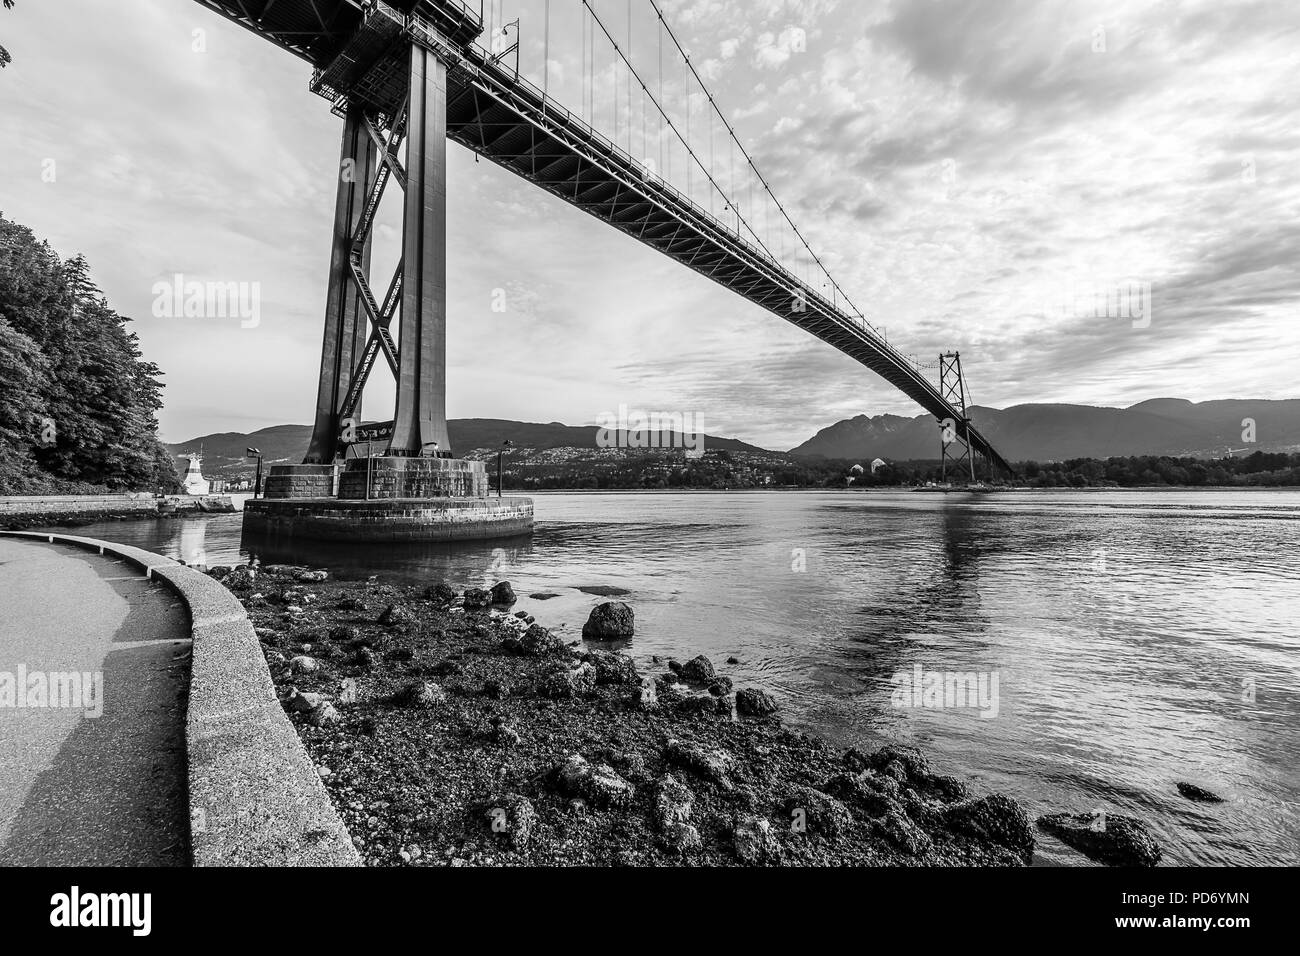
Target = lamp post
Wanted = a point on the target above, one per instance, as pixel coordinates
(501, 451)
(257, 484)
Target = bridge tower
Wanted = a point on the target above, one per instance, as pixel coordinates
(388, 81)
(952, 385)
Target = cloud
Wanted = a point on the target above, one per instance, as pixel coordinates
(952, 163)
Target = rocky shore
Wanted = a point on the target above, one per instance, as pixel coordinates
(451, 731)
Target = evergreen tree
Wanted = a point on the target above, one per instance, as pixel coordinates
(5, 58)
(69, 365)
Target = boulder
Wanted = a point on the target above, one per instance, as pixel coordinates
(511, 818)
(299, 703)
(698, 670)
(598, 784)
(613, 668)
(713, 765)
(630, 764)
(503, 593)
(304, 665)
(672, 812)
(754, 840)
(902, 763)
(702, 704)
(324, 715)
(751, 702)
(720, 686)
(476, 599)
(1110, 838)
(1197, 794)
(900, 831)
(396, 616)
(420, 695)
(871, 794)
(311, 577)
(680, 838)
(815, 812)
(440, 593)
(609, 621)
(537, 641)
(570, 683)
(315, 708)
(994, 819)
(673, 802)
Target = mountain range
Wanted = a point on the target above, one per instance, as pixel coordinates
(223, 453)
(1163, 426)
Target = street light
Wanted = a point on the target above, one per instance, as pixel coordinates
(256, 453)
(501, 451)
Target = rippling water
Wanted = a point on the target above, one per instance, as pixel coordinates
(1138, 638)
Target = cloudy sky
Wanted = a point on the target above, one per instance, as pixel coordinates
(977, 176)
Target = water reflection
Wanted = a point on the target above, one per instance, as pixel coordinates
(408, 561)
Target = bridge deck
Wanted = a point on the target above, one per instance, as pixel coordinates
(508, 120)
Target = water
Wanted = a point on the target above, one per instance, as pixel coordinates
(1138, 638)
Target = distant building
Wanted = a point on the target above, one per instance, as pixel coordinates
(857, 470)
(878, 464)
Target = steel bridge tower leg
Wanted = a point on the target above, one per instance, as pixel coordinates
(345, 322)
(421, 414)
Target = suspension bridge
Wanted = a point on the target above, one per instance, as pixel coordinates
(641, 145)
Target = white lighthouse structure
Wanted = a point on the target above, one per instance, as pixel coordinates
(194, 483)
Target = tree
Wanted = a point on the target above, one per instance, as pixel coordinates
(68, 359)
(5, 58)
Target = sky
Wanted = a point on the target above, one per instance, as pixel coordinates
(1095, 202)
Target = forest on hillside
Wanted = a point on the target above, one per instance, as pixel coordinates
(78, 402)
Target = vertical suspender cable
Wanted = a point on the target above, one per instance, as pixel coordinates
(546, 55)
(663, 170)
(629, 77)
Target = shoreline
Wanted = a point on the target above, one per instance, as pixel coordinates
(455, 736)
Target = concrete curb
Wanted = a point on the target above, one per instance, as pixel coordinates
(255, 797)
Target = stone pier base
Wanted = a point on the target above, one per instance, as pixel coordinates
(413, 478)
(301, 481)
(390, 519)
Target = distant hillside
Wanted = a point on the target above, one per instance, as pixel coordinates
(1164, 426)
(223, 453)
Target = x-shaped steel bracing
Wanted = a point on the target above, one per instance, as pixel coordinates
(379, 316)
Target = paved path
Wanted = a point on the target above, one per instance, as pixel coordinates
(80, 790)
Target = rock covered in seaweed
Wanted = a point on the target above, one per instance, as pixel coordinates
(609, 621)
(751, 702)
(597, 784)
(1110, 838)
